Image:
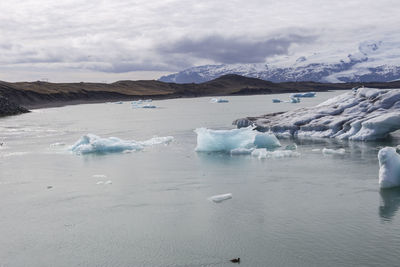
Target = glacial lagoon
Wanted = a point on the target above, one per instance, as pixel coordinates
(152, 207)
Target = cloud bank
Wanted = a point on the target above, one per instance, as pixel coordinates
(102, 38)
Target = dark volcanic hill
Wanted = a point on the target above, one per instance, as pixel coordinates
(44, 94)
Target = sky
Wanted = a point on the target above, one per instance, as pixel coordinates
(110, 40)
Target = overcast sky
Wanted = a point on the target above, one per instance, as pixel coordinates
(108, 40)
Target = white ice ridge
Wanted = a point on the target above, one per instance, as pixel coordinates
(389, 168)
(361, 114)
(220, 198)
(231, 140)
(91, 143)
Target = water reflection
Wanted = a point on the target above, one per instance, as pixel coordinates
(390, 203)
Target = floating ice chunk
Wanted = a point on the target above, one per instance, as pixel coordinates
(294, 100)
(219, 100)
(389, 168)
(99, 176)
(119, 102)
(148, 100)
(277, 154)
(91, 143)
(328, 151)
(275, 100)
(242, 151)
(57, 144)
(291, 147)
(157, 141)
(148, 106)
(220, 198)
(100, 182)
(108, 182)
(308, 94)
(315, 150)
(226, 140)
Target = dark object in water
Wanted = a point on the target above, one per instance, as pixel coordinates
(235, 260)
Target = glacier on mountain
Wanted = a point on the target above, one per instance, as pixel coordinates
(373, 61)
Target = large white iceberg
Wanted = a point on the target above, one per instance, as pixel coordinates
(364, 114)
(209, 140)
(91, 143)
(389, 167)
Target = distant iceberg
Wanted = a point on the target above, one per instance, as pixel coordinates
(389, 168)
(219, 100)
(364, 114)
(308, 94)
(294, 100)
(209, 140)
(91, 143)
(275, 100)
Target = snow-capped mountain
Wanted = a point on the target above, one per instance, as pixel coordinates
(374, 61)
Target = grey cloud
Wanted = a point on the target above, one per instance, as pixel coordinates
(235, 49)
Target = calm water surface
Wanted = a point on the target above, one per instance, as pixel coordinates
(313, 210)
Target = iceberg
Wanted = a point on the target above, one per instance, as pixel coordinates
(308, 94)
(275, 100)
(219, 100)
(329, 151)
(294, 100)
(389, 168)
(363, 114)
(220, 198)
(91, 143)
(209, 140)
(149, 106)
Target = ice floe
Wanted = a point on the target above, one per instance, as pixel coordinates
(209, 140)
(364, 114)
(329, 151)
(275, 100)
(389, 168)
(294, 100)
(219, 100)
(277, 154)
(91, 143)
(220, 198)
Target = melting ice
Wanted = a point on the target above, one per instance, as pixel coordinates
(91, 143)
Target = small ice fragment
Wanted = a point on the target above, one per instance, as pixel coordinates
(108, 182)
(277, 154)
(294, 100)
(275, 100)
(291, 147)
(119, 102)
(100, 182)
(315, 150)
(148, 106)
(220, 198)
(99, 176)
(328, 151)
(219, 100)
(58, 144)
(389, 168)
